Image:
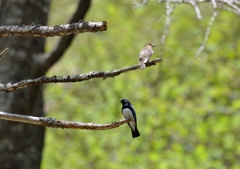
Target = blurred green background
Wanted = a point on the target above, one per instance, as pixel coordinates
(187, 107)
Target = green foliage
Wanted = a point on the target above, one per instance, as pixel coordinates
(187, 107)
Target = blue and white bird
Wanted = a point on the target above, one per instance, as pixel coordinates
(129, 112)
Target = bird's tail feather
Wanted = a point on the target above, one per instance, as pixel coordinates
(142, 64)
(135, 133)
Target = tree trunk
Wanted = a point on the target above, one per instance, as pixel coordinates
(21, 144)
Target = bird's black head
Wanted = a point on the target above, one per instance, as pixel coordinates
(123, 101)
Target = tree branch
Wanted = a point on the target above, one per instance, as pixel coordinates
(198, 12)
(232, 3)
(52, 122)
(169, 11)
(47, 60)
(221, 5)
(235, 7)
(3, 52)
(50, 31)
(210, 23)
(8, 87)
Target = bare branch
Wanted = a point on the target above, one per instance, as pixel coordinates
(198, 1)
(233, 3)
(221, 5)
(3, 52)
(46, 61)
(52, 122)
(210, 23)
(8, 87)
(233, 6)
(169, 11)
(49, 31)
(214, 4)
(198, 12)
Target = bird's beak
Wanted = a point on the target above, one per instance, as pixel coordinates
(153, 45)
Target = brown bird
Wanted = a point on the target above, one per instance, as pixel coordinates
(145, 54)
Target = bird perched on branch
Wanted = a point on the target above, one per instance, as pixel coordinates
(145, 54)
(129, 112)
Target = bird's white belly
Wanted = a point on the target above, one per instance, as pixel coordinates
(128, 114)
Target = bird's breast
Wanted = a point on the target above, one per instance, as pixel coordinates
(127, 113)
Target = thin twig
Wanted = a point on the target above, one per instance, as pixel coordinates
(8, 87)
(233, 6)
(223, 6)
(214, 4)
(198, 12)
(233, 3)
(3, 52)
(169, 11)
(52, 122)
(210, 23)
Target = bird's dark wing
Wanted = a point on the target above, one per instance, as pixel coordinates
(133, 112)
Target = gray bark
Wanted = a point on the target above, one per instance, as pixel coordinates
(21, 144)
